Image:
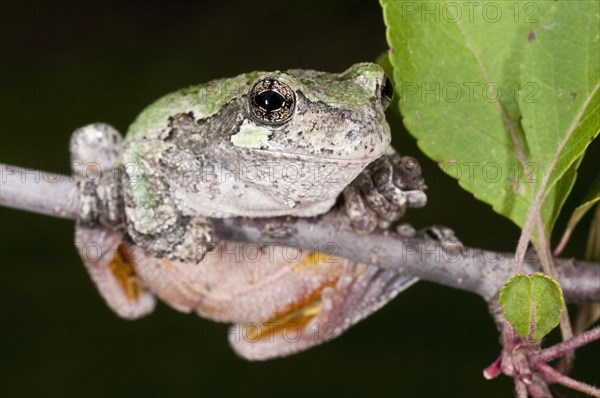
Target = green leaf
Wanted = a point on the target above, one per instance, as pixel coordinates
(562, 60)
(548, 303)
(383, 60)
(515, 299)
(589, 200)
(457, 70)
(532, 304)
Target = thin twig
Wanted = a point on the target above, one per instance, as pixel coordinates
(548, 267)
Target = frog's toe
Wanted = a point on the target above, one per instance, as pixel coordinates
(444, 236)
(374, 198)
(383, 191)
(416, 198)
(399, 179)
(199, 238)
(96, 143)
(383, 174)
(362, 218)
(383, 179)
(407, 173)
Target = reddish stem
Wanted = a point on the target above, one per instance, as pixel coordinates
(560, 349)
(553, 376)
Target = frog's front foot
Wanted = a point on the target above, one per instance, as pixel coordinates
(444, 236)
(383, 191)
(184, 239)
(95, 162)
(198, 239)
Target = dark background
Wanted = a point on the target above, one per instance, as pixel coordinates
(67, 63)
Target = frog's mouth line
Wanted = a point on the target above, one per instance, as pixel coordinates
(290, 156)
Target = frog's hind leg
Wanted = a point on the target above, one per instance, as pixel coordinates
(109, 262)
(359, 291)
(95, 156)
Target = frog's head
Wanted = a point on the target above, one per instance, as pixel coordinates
(317, 115)
(313, 122)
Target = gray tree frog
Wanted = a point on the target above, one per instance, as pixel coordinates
(260, 144)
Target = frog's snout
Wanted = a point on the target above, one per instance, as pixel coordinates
(372, 78)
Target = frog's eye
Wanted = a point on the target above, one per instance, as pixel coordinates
(387, 92)
(272, 101)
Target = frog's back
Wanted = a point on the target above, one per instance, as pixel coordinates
(203, 100)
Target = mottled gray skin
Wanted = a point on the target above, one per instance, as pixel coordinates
(256, 145)
(205, 152)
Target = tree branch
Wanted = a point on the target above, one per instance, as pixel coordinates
(38, 191)
(474, 270)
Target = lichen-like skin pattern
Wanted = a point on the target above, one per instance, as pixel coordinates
(259, 144)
